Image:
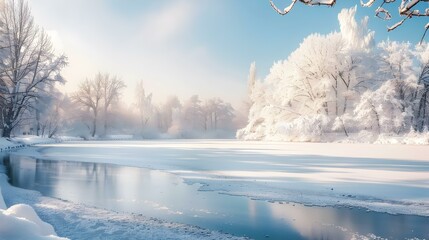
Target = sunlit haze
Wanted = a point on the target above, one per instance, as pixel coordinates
(214, 119)
(186, 47)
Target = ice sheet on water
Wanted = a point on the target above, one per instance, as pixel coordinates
(78, 221)
(386, 178)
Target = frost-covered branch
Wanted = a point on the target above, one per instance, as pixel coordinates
(382, 13)
(406, 9)
(424, 34)
(286, 10)
(306, 2)
(394, 26)
(28, 68)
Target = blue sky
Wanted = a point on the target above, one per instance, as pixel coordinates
(186, 47)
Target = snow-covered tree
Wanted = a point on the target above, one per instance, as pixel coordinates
(400, 83)
(47, 114)
(217, 115)
(421, 96)
(342, 82)
(28, 65)
(253, 107)
(145, 107)
(421, 112)
(100, 92)
(388, 106)
(193, 114)
(320, 80)
(187, 120)
(55, 119)
(251, 79)
(165, 113)
(197, 118)
(89, 95)
(111, 90)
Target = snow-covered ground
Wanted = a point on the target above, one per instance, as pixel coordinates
(6, 144)
(387, 178)
(25, 140)
(32, 140)
(20, 221)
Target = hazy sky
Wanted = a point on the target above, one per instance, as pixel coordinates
(180, 47)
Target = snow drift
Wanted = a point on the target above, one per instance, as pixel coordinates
(20, 221)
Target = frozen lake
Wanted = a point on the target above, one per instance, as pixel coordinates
(384, 178)
(166, 196)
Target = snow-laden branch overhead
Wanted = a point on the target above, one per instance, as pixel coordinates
(382, 13)
(407, 9)
(306, 2)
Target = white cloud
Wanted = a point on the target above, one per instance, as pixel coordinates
(168, 22)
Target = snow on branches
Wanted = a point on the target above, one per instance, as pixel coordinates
(29, 67)
(407, 9)
(342, 84)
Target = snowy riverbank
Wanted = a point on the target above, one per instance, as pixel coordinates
(18, 220)
(19, 142)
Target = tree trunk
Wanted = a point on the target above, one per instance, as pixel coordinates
(94, 125)
(336, 96)
(105, 120)
(7, 125)
(6, 132)
(344, 128)
(38, 122)
(325, 106)
(345, 105)
(422, 112)
(42, 129)
(52, 133)
(377, 118)
(215, 120)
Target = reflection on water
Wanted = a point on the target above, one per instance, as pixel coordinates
(162, 195)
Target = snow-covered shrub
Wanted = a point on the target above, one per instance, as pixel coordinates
(302, 129)
(412, 137)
